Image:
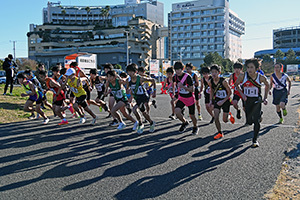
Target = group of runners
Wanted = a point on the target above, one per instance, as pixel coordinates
(131, 92)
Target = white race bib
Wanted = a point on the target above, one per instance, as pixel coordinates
(221, 94)
(207, 90)
(251, 91)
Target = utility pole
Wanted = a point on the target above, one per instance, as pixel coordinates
(127, 50)
(14, 48)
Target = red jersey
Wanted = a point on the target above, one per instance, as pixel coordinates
(251, 88)
(61, 96)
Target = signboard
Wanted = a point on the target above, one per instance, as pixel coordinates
(166, 64)
(154, 67)
(292, 68)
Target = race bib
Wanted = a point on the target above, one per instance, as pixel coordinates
(221, 94)
(99, 87)
(207, 90)
(251, 91)
(119, 94)
(183, 91)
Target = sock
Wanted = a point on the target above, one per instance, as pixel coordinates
(279, 114)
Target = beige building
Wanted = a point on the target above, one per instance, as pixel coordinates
(51, 43)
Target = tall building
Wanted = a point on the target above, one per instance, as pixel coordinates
(203, 26)
(286, 37)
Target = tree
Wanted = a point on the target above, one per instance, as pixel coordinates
(213, 58)
(279, 55)
(1, 64)
(291, 57)
(227, 65)
(267, 58)
(118, 66)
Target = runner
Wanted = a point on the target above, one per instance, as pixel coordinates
(219, 97)
(58, 96)
(280, 91)
(169, 87)
(184, 83)
(117, 90)
(238, 67)
(34, 96)
(189, 68)
(80, 94)
(98, 83)
(205, 71)
(251, 94)
(141, 96)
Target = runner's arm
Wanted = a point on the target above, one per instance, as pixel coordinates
(211, 92)
(271, 85)
(267, 87)
(33, 91)
(227, 87)
(202, 85)
(238, 87)
(57, 85)
(290, 84)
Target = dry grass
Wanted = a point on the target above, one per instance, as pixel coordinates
(11, 107)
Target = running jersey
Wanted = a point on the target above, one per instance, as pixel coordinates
(118, 92)
(187, 82)
(59, 97)
(251, 88)
(170, 86)
(193, 75)
(220, 91)
(206, 86)
(99, 85)
(236, 92)
(140, 90)
(279, 84)
(77, 91)
(28, 90)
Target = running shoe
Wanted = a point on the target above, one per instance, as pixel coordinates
(200, 117)
(135, 125)
(94, 121)
(32, 116)
(154, 104)
(195, 131)
(172, 116)
(238, 114)
(11, 94)
(82, 120)
(281, 121)
(219, 135)
(4, 94)
(121, 126)
(38, 116)
(108, 116)
(114, 123)
(212, 120)
(140, 129)
(231, 118)
(183, 127)
(100, 108)
(284, 111)
(63, 122)
(255, 144)
(46, 121)
(152, 127)
(63, 114)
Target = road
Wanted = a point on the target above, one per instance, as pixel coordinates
(98, 162)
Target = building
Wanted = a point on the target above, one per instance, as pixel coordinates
(284, 39)
(203, 26)
(102, 30)
(51, 43)
(119, 15)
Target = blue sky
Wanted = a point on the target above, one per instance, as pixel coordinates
(261, 17)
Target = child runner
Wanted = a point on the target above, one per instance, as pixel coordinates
(219, 97)
(280, 91)
(58, 96)
(169, 85)
(238, 67)
(77, 89)
(34, 96)
(251, 94)
(184, 83)
(189, 68)
(117, 90)
(205, 71)
(141, 96)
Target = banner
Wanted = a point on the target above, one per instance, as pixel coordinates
(154, 67)
(166, 64)
(292, 68)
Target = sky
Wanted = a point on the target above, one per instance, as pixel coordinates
(260, 16)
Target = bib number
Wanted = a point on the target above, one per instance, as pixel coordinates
(251, 91)
(221, 94)
(207, 90)
(99, 87)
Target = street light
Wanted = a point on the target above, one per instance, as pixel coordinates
(127, 50)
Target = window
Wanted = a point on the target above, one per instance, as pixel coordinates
(174, 35)
(186, 21)
(187, 48)
(188, 35)
(196, 13)
(187, 14)
(210, 47)
(176, 15)
(196, 20)
(196, 41)
(181, 35)
(188, 42)
(196, 34)
(176, 22)
(196, 27)
(174, 29)
(196, 48)
(211, 40)
(204, 40)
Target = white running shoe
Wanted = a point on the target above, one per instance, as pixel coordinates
(94, 120)
(140, 129)
(152, 127)
(82, 120)
(46, 121)
(135, 125)
(121, 126)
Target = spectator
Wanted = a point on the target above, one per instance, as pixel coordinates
(10, 68)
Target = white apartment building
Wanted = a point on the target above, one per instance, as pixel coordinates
(203, 26)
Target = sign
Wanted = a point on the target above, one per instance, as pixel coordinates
(154, 67)
(166, 64)
(292, 68)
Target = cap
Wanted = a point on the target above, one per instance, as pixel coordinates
(70, 71)
(10, 56)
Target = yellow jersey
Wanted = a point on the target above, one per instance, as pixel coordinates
(77, 91)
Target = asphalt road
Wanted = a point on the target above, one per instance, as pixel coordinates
(98, 162)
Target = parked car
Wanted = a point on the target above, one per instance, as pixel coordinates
(2, 80)
(226, 75)
(2, 73)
